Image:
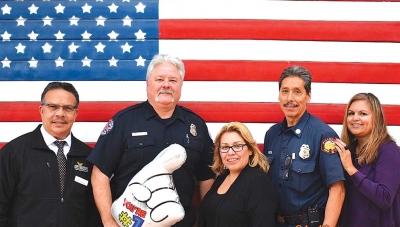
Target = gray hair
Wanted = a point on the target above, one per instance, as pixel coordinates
(160, 58)
(300, 72)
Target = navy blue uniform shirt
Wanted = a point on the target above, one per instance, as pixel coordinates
(300, 168)
(134, 137)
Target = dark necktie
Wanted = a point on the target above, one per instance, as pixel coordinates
(62, 163)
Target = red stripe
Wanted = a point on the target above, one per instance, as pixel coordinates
(209, 111)
(280, 30)
(329, 72)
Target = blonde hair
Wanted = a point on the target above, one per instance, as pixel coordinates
(379, 134)
(256, 159)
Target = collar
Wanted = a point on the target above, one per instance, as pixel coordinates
(297, 129)
(149, 112)
(49, 139)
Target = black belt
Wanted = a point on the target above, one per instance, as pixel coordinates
(292, 219)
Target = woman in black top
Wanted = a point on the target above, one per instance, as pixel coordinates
(242, 195)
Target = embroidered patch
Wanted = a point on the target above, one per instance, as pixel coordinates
(328, 145)
(108, 127)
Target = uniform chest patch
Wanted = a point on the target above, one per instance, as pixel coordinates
(109, 126)
(328, 145)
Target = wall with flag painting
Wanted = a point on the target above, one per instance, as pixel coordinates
(234, 52)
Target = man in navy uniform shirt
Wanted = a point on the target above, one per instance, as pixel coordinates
(134, 136)
(305, 167)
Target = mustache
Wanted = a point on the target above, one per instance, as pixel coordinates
(166, 91)
(290, 104)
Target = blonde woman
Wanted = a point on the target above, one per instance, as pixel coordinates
(242, 194)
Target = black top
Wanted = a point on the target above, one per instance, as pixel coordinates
(250, 201)
(136, 135)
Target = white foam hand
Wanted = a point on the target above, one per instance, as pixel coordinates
(150, 198)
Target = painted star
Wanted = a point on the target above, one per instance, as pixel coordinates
(100, 47)
(59, 8)
(113, 8)
(140, 61)
(113, 35)
(86, 62)
(47, 48)
(33, 36)
(127, 21)
(100, 20)
(73, 20)
(20, 21)
(33, 63)
(33, 9)
(73, 47)
(140, 35)
(126, 0)
(59, 62)
(6, 36)
(86, 8)
(47, 21)
(59, 35)
(86, 36)
(20, 48)
(126, 48)
(6, 63)
(140, 8)
(6, 9)
(113, 61)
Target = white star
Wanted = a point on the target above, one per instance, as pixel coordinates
(33, 9)
(113, 61)
(20, 48)
(86, 62)
(127, 21)
(59, 35)
(100, 47)
(86, 36)
(86, 8)
(126, 0)
(47, 21)
(113, 8)
(6, 62)
(20, 21)
(73, 47)
(6, 36)
(100, 20)
(33, 63)
(6, 9)
(140, 8)
(113, 35)
(47, 48)
(33, 36)
(126, 48)
(140, 35)
(59, 62)
(59, 8)
(99, 0)
(73, 20)
(140, 61)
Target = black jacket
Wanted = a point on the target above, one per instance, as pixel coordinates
(30, 186)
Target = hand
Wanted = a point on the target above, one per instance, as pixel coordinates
(345, 157)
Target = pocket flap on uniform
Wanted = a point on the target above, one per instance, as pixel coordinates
(141, 141)
(303, 167)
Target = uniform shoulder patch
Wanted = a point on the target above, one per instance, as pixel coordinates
(328, 145)
(109, 126)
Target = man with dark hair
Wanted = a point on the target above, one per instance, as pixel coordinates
(305, 166)
(44, 175)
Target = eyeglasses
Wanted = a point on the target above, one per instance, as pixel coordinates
(286, 170)
(235, 148)
(55, 107)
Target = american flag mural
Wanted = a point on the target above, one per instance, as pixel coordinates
(234, 52)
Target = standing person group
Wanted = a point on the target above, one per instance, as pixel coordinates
(50, 178)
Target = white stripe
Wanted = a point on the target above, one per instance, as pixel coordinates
(219, 91)
(276, 50)
(90, 131)
(279, 10)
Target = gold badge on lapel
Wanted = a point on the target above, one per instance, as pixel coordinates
(193, 130)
